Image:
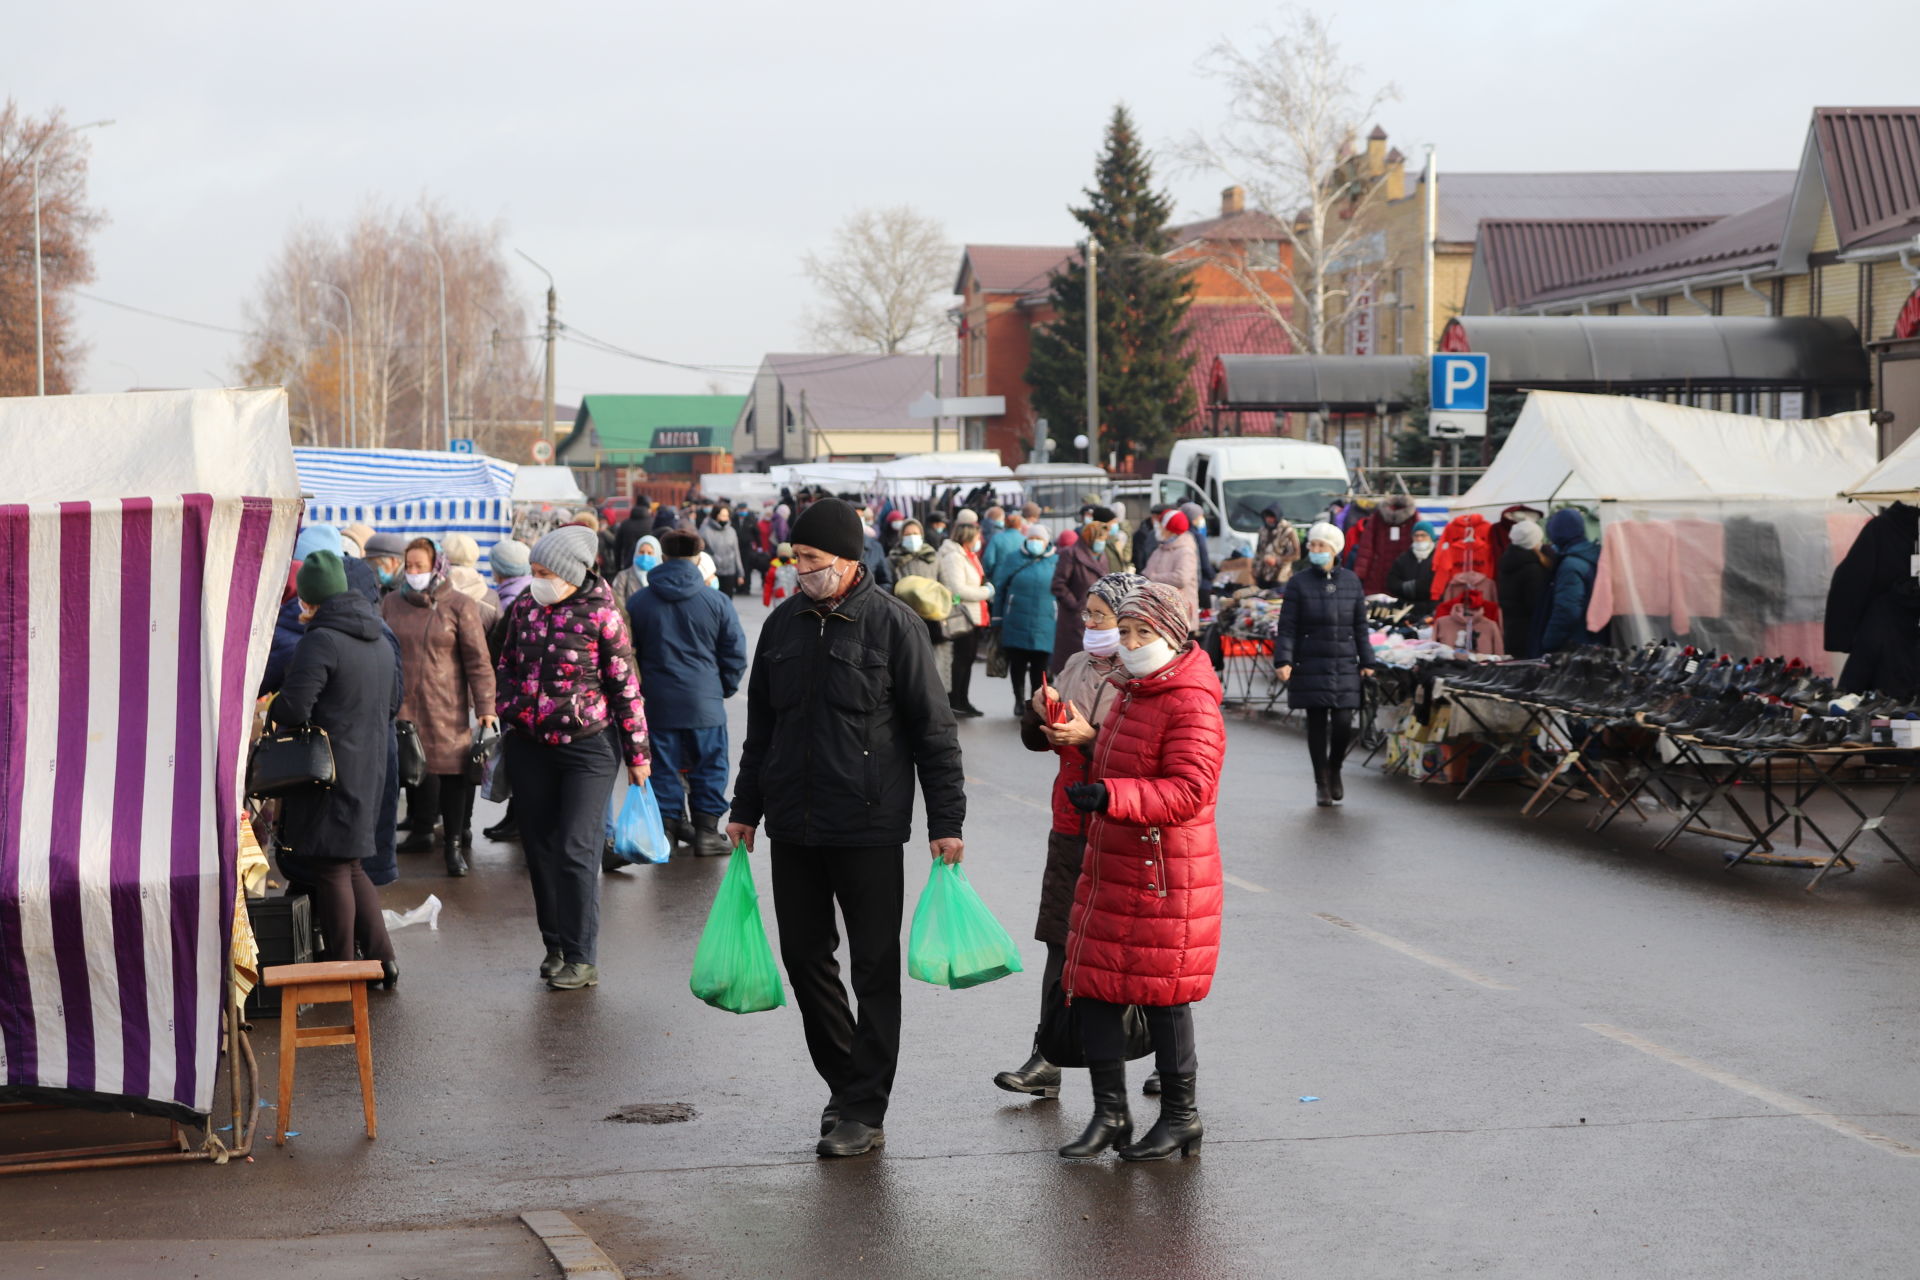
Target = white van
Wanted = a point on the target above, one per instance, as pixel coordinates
(1236, 478)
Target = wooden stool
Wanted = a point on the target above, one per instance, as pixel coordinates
(332, 982)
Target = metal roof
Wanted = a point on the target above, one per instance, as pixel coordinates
(1525, 258)
(1625, 352)
(1741, 242)
(1467, 199)
(625, 425)
(1870, 158)
(1013, 268)
(1351, 384)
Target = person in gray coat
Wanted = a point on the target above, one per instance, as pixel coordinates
(723, 544)
(343, 678)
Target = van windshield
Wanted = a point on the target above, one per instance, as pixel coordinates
(1299, 500)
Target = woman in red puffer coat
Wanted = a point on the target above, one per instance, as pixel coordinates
(1145, 928)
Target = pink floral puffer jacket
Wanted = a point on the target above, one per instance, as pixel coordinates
(567, 672)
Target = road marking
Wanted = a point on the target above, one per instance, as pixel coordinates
(572, 1249)
(1408, 949)
(1772, 1097)
(1248, 885)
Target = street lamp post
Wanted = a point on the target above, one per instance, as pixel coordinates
(353, 397)
(39, 306)
(446, 396)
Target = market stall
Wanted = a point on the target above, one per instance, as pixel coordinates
(139, 580)
(411, 492)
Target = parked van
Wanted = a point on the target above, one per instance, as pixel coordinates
(1236, 478)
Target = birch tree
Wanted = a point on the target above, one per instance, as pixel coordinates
(66, 224)
(884, 283)
(1292, 139)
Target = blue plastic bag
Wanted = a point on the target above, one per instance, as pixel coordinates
(639, 835)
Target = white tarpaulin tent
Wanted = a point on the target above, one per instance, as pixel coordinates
(1896, 478)
(555, 485)
(1719, 528)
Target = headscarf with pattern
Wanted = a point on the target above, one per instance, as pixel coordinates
(1116, 587)
(1162, 607)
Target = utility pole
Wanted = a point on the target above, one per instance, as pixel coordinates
(553, 327)
(1433, 234)
(39, 304)
(936, 396)
(1093, 351)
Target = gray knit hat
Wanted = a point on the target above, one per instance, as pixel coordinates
(509, 558)
(568, 552)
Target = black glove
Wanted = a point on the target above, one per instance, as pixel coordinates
(1088, 797)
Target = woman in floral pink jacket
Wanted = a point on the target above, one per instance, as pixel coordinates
(569, 701)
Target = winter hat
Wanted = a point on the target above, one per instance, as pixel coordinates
(783, 511)
(784, 551)
(386, 544)
(322, 576)
(1423, 526)
(1034, 529)
(1331, 535)
(966, 516)
(1066, 539)
(1527, 535)
(1566, 527)
(316, 537)
(1398, 508)
(359, 531)
(1195, 513)
(829, 525)
(467, 581)
(1176, 523)
(509, 558)
(1115, 588)
(1104, 515)
(1162, 607)
(461, 549)
(567, 552)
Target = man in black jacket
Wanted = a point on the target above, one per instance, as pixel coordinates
(844, 706)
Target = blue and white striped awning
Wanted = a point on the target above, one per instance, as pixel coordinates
(410, 492)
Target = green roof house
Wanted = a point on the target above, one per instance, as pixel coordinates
(662, 434)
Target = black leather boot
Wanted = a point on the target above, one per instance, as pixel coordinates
(1177, 1129)
(1112, 1123)
(456, 860)
(1321, 796)
(1038, 1077)
(679, 830)
(1152, 1086)
(1335, 791)
(708, 840)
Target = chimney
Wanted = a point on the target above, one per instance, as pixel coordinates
(1233, 200)
(1376, 152)
(1396, 175)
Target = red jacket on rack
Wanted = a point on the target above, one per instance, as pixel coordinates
(1464, 548)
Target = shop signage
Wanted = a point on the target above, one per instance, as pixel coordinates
(681, 437)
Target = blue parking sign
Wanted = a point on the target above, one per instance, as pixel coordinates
(460, 445)
(1457, 381)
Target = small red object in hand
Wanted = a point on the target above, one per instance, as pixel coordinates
(1057, 712)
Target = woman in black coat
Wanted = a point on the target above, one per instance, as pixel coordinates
(1322, 652)
(1521, 578)
(344, 678)
(1410, 576)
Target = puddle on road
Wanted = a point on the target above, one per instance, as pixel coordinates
(654, 1113)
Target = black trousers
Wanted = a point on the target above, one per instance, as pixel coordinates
(855, 1056)
(1024, 668)
(560, 798)
(345, 907)
(1104, 1036)
(449, 796)
(965, 646)
(1056, 963)
(729, 583)
(1329, 733)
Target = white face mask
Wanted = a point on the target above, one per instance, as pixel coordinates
(419, 581)
(1100, 642)
(1036, 546)
(1148, 658)
(550, 590)
(1422, 549)
(912, 542)
(821, 584)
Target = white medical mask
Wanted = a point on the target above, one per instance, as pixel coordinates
(419, 581)
(1101, 642)
(549, 590)
(1321, 558)
(1422, 549)
(1099, 544)
(1148, 658)
(1036, 546)
(820, 584)
(911, 542)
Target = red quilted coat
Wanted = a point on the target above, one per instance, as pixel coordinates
(1146, 914)
(1464, 548)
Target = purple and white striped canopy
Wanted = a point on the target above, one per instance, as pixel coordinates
(133, 630)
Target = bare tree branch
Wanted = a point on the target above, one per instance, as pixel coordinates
(884, 283)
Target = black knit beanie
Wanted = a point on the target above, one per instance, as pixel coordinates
(832, 526)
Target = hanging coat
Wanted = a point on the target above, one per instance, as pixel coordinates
(1323, 635)
(1385, 536)
(1463, 549)
(1145, 927)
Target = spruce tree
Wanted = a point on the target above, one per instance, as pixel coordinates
(1145, 395)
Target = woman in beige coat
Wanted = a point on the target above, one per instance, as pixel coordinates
(448, 672)
(961, 573)
(1176, 559)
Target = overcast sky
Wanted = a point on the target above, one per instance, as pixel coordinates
(671, 163)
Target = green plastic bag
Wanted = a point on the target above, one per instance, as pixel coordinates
(955, 941)
(733, 967)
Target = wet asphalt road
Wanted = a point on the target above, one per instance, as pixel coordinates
(1470, 1118)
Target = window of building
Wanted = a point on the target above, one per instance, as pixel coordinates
(1263, 255)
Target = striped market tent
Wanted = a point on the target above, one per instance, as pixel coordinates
(144, 541)
(410, 492)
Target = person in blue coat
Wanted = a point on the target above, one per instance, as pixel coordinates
(1024, 608)
(1322, 651)
(692, 653)
(1563, 623)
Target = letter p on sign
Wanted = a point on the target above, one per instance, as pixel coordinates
(1458, 382)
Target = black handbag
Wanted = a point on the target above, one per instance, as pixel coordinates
(1060, 1031)
(287, 760)
(486, 746)
(413, 756)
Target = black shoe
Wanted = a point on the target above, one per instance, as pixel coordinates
(609, 860)
(572, 977)
(1152, 1087)
(553, 964)
(1177, 1129)
(1321, 796)
(708, 840)
(456, 861)
(679, 830)
(418, 842)
(829, 1116)
(851, 1138)
(1038, 1077)
(1334, 789)
(1112, 1123)
(390, 975)
(502, 831)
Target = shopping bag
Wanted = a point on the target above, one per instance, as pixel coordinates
(955, 941)
(481, 756)
(997, 661)
(733, 967)
(639, 835)
(1059, 1038)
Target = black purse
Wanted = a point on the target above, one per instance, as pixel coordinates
(288, 760)
(1060, 1031)
(485, 748)
(413, 756)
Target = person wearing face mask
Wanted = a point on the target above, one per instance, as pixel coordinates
(911, 555)
(1410, 580)
(1322, 652)
(723, 544)
(966, 624)
(844, 709)
(448, 670)
(1087, 687)
(570, 703)
(1079, 567)
(646, 558)
(385, 552)
(1023, 597)
(1145, 924)
(1176, 558)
